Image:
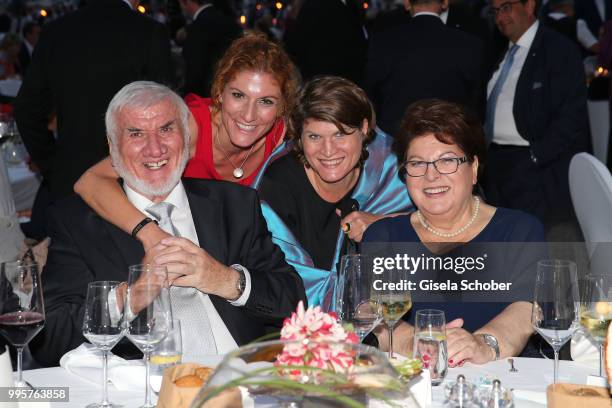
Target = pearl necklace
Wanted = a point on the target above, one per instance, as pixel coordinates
(454, 233)
(238, 172)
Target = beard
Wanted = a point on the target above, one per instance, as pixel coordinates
(147, 189)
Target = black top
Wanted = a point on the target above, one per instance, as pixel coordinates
(313, 221)
(509, 226)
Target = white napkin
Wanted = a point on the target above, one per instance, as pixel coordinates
(527, 395)
(584, 351)
(85, 361)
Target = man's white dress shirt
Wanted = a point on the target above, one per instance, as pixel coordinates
(505, 132)
(183, 222)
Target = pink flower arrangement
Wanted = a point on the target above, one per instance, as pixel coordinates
(319, 333)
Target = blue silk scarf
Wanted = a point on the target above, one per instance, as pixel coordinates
(378, 191)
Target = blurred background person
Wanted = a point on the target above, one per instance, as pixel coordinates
(31, 33)
(208, 36)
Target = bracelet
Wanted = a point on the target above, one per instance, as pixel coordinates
(141, 225)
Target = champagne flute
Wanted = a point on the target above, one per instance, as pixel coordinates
(430, 343)
(395, 303)
(102, 326)
(556, 308)
(356, 300)
(596, 311)
(22, 313)
(147, 315)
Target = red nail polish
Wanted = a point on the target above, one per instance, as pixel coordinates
(450, 361)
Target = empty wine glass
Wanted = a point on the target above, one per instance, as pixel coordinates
(556, 307)
(147, 313)
(395, 303)
(430, 343)
(596, 311)
(22, 313)
(102, 325)
(356, 300)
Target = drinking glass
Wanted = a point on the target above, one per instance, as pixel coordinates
(22, 313)
(356, 300)
(556, 308)
(102, 325)
(166, 354)
(596, 311)
(147, 313)
(395, 303)
(430, 343)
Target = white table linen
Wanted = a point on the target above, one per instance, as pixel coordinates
(529, 383)
(24, 185)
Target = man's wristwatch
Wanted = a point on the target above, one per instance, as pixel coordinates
(492, 342)
(241, 283)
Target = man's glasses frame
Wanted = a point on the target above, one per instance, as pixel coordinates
(504, 8)
(410, 168)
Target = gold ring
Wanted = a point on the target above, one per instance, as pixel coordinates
(346, 228)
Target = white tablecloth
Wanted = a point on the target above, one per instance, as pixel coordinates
(533, 375)
(24, 185)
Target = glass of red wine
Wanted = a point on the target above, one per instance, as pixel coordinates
(22, 313)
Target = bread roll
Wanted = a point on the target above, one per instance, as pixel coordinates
(189, 381)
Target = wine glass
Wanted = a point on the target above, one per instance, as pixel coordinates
(102, 325)
(356, 300)
(147, 314)
(430, 343)
(395, 303)
(596, 310)
(22, 313)
(556, 308)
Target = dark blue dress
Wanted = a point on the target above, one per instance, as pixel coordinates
(506, 226)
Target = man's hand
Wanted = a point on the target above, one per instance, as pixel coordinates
(191, 266)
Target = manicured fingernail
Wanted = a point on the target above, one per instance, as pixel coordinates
(450, 361)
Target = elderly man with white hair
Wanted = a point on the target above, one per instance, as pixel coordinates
(230, 283)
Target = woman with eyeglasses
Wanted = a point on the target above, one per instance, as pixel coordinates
(441, 149)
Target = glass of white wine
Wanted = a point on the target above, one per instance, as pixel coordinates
(596, 311)
(395, 303)
(166, 354)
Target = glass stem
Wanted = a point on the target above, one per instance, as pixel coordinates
(601, 360)
(390, 328)
(105, 378)
(556, 369)
(147, 356)
(20, 366)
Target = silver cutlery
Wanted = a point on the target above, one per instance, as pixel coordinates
(512, 369)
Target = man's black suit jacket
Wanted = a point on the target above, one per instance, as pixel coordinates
(423, 59)
(230, 227)
(550, 109)
(587, 11)
(79, 63)
(328, 39)
(208, 37)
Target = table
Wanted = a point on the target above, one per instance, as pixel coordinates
(24, 185)
(533, 375)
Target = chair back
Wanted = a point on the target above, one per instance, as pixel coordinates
(591, 190)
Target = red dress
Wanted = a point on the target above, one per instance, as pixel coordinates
(201, 165)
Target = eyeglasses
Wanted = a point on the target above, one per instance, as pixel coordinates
(445, 165)
(503, 9)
